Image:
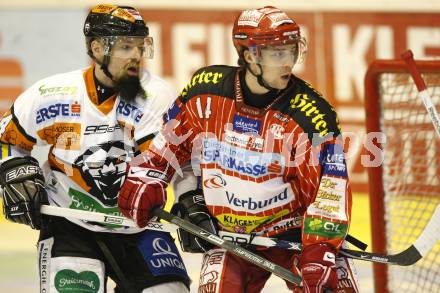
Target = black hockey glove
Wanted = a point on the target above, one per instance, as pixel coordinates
(22, 182)
(192, 207)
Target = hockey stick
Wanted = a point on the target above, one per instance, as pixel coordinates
(187, 226)
(423, 244)
(229, 246)
(241, 239)
(164, 227)
(408, 57)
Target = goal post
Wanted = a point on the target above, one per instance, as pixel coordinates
(405, 189)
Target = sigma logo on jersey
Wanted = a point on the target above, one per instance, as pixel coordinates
(334, 161)
(101, 129)
(72, 109)
(214, 181)
(50, 91)
(129, 111)
(246, 125)
(245, 162)
(243, 140)
(16, 173)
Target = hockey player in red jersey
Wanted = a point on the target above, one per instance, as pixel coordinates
(95, 120)
(268, 149)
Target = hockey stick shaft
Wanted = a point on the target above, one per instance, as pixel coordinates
(407, 257)
(232, 237)
(229, 246)
(164, 227)
(408, 57)
(187, 226)
(191, 228)
(423, 244)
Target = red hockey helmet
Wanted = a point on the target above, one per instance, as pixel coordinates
(267, 26)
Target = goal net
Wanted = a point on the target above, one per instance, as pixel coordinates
(405, 188)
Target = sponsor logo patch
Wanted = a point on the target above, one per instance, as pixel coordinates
(50, 91)
(62, 135)
(55, 110)
(247, 224)
(277, 131)
(71, 281)
(281, 117)
(250, 18)
(245, 162)
(285, 224)
(202, 78)
(22, 171)
(82, 201)
(309, 108)
(243, 140)
(333, 161)
(129, 111)
(161, 255)
(325, 228)
(101, 129)
(252, 204)
(246, 125)
(215, 181)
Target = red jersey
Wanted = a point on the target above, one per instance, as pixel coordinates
(263, 171)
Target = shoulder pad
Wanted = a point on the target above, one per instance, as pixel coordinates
(313, 112)
(209, 80)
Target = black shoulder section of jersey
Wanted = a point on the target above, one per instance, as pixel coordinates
(215, 80)
(310, 110)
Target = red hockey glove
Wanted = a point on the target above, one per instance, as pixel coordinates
(318, 268)
(143, 189)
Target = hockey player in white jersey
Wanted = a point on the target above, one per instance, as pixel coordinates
(94, 121)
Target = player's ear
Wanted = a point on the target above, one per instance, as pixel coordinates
(249, 57)
(97, 49)
(251, 61)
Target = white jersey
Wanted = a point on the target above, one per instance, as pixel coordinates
(91, 143)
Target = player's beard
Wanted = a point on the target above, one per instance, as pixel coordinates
(129, 86)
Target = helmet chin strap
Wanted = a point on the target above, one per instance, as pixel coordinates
(106, 61)
(260, 78)
(104, 67)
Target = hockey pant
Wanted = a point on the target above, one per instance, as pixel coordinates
(224, 272)
(71, 260)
